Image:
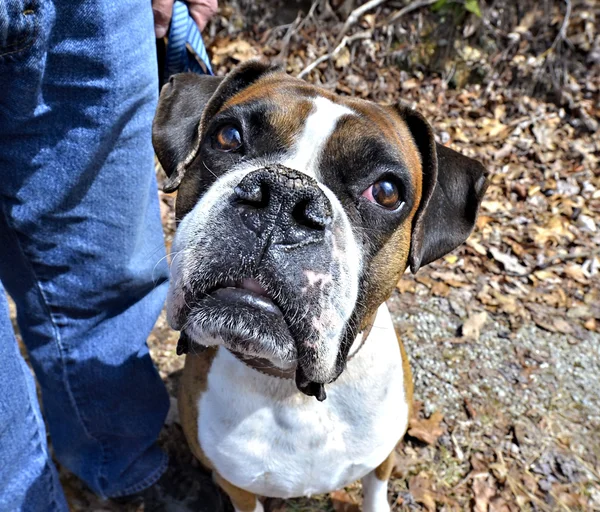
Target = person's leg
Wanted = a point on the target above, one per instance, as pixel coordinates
(82, 248)
(28, 479)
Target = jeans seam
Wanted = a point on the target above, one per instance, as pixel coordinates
(57, 340)
(40, 445)
(30, 40)
(147, 482)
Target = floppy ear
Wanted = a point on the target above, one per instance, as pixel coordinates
(187, 102)
(453, 186)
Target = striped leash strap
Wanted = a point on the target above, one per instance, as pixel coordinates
(185, 48)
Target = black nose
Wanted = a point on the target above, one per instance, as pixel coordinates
(286, 203)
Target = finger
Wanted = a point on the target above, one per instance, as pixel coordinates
(202, 11)
(162, 9)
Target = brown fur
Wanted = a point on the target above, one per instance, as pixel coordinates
(242, 500)
(408, 378)
(384, 470)
(289, 122)
(193, 384)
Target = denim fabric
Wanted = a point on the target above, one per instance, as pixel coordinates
(81, 248)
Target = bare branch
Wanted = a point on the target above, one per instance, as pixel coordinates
(413, 6)
(562, 33)
(324, 58)
(295, 27)
(355, 15)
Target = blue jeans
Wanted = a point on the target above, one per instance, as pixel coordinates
(81, 248)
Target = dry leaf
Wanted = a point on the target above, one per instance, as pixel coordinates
(510, 263)
(420, 489)
(406, 285)
(561, 325)
(239, 50)
(498, 504)
(440, 289)
(483, 490)
(591, 324)
(427, 430)
(343, 502)
(472, 327)
(342, 58)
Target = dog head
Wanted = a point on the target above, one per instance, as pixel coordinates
(298, 212)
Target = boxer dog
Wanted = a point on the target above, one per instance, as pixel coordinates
(298, 211)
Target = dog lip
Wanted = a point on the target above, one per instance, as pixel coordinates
(250, 293)
(254, 286)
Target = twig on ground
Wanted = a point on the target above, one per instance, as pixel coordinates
(562, 33)
(295, 27)
(355, 15)
(324, 58)
(413, 6)
(561, 258)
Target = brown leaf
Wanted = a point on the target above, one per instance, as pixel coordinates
(507, 303)
(498, 504)
(591, 325)
(576, 273)
(420, 488)
(425, 280)
(427, 430)
(440, 289)
(343, 502)
(561, 325)
(472, 327)
(451, 279)
(239, 50)
(406, 285)
(483, 490)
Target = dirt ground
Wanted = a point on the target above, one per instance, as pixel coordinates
(503, 335)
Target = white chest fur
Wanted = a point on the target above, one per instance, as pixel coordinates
(262, 435)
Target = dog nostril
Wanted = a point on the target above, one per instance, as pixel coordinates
(255, 194)
(310, 214)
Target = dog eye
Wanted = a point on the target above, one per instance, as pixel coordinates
(385, 193)
(227, 138)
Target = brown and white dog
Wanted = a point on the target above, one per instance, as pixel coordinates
(298, 212)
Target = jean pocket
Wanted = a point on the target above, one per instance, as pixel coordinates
(18, 25)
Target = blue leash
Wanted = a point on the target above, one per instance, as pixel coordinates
(185, 47)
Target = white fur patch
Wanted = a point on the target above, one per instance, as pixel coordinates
(319, 126)
(375, 494)
(262, 435)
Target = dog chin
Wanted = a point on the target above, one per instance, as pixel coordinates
(242, 328)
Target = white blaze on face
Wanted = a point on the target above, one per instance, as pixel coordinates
(319, 126)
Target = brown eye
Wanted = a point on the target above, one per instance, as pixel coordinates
(385, 193)
(227, 138)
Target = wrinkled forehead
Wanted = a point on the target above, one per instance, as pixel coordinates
(310, 120)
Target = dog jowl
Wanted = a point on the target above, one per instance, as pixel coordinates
(298, 211)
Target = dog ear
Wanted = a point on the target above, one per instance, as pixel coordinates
(187, 102)
(453, 187)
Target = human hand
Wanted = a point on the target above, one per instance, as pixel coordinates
(200, 10)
